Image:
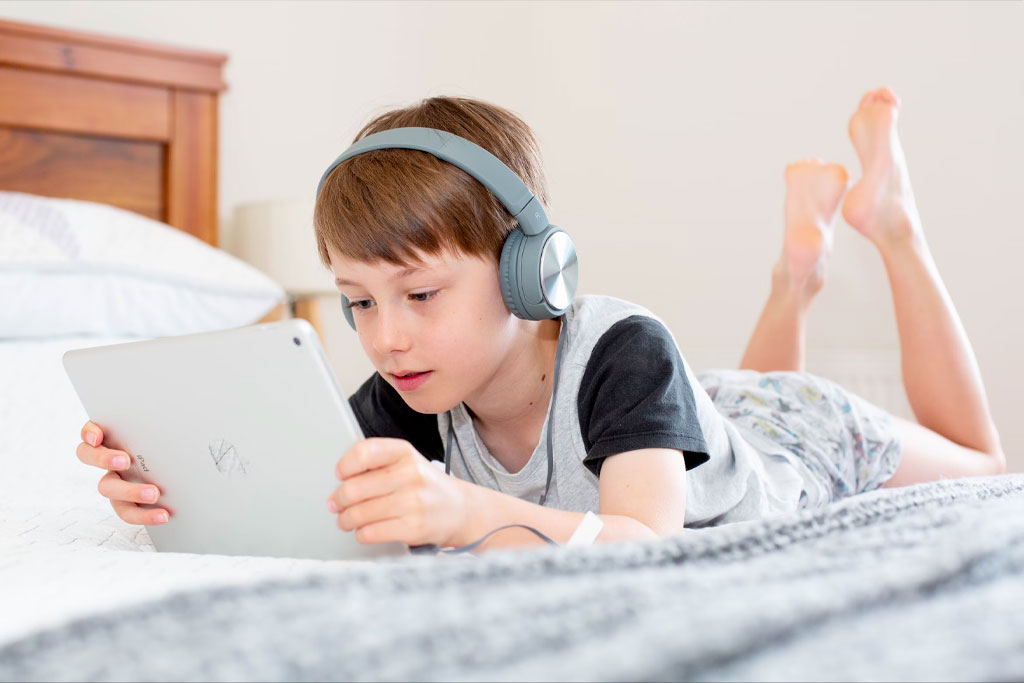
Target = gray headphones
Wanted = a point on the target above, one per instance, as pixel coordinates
(538, 269)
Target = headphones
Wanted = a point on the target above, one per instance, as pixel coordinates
(539, 270)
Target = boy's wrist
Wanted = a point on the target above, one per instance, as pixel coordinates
(474, 514)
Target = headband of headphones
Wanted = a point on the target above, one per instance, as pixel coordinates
(470, 157)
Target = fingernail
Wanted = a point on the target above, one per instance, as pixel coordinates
(332, 506)
(92, 438)
(120, 461)
(149, 495)
(160, 517)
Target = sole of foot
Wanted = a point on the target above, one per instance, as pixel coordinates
(881, 204)
(814, 190)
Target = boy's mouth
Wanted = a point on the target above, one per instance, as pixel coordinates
(407, 374)
(411, 380)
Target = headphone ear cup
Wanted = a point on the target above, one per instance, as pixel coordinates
(530, 264)
(347, 312)
(509, 273)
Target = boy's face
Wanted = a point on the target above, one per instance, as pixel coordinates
(445, 317)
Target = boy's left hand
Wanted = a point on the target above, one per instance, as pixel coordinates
(390, 492)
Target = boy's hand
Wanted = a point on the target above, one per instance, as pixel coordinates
(125, 496)
(390, 492)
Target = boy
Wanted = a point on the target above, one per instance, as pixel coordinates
(414, 244)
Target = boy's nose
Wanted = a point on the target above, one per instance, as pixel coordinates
(390, 334)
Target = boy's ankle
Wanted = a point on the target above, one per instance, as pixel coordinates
(788, 290)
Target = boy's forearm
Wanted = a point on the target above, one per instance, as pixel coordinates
(489, 509)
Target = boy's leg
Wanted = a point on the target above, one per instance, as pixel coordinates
(956, 435)
(928, 455)
(813, 192)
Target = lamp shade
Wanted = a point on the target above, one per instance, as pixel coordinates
(277, 237)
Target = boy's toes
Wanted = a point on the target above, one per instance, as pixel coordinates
(883, 94)
(887, 95)
(803, 165)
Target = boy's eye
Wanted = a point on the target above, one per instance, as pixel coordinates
(419, 297)
(358, 304)
(427, 296)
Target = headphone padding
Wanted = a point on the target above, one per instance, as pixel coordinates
(348, 312)
(509, 270)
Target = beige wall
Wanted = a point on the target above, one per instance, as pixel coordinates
(665, 128)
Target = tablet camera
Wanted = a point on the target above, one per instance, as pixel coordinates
(296, 340)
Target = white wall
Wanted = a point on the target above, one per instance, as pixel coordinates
(665, 128)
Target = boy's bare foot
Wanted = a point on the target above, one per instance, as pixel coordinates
(881, 205)
(813, 192)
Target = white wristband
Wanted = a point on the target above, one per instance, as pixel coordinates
(586, 532)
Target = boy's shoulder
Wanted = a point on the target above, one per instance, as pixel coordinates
(633, 387)
(596, 317)
(598, 306)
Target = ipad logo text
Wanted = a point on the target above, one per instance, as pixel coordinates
(226, 459)
(142, 462)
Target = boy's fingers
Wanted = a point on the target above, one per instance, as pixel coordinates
(365, 486)
(133, 514)
(112, 486)
(92, 434)
(370, 454)
(105, 458)
(370, 512)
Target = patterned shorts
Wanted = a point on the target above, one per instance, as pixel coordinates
(851, 444)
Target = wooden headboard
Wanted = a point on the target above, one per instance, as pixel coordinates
(123, 122)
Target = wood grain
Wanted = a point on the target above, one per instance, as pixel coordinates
(123, 122)
(122, 173)
(109, 58)
(49, 101)
(192, 166)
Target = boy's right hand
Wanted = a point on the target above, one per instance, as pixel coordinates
(124, 495)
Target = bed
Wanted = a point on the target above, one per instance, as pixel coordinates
(917, 583)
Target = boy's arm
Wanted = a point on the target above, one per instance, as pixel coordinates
(642, 494)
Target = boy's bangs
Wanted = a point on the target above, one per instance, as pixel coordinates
(399, 208)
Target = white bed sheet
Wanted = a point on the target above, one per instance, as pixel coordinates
(63, 551)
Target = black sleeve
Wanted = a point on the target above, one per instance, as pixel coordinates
(635, 394)
(380, 411)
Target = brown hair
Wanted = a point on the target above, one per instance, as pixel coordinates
(389, 203)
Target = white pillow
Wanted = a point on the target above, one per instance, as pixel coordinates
(71, 267)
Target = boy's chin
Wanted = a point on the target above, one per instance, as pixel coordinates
(427, 405)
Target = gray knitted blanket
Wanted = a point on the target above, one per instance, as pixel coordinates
(918, 583)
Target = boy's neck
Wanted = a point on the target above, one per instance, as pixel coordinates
(509, 418)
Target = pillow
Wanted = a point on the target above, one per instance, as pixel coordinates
(71, 267)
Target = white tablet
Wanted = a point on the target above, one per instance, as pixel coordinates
(241, 429)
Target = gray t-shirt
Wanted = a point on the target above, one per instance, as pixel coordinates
(623, 385)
